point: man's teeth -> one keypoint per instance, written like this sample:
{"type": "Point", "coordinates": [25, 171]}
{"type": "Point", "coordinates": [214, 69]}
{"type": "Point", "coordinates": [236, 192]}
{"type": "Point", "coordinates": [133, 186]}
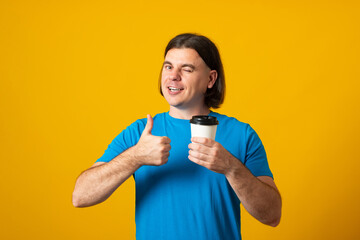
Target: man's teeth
{"type": "Point", "coordinates": [174, 89]}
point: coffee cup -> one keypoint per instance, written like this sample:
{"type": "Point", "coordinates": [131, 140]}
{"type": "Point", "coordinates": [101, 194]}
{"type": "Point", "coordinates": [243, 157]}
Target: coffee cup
{"type": "Point", "coordinates": [203, 126]}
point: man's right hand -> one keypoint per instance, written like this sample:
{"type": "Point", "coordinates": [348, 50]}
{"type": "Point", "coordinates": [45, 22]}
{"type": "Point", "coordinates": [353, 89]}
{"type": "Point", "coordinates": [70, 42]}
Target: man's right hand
{"type": "Point", "coordinates": [96, 184]}
{"type": "Point", "coordinates": [152, 150]}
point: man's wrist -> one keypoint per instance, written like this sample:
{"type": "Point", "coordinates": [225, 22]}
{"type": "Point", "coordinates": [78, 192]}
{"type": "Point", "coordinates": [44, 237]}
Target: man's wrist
{"type": "Point", "coordinates": [235, 169]}
{"type": "Point", "coordinates": [130, 158]}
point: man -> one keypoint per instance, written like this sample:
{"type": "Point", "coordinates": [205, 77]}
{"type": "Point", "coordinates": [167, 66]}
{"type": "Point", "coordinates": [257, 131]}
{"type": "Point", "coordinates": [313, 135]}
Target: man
{"type": "Point", "coordinates": [187, 188]}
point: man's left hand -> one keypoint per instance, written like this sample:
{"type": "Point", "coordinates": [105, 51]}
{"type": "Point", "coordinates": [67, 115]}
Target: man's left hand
{"type": "Point", "coordinates": [211, 154]}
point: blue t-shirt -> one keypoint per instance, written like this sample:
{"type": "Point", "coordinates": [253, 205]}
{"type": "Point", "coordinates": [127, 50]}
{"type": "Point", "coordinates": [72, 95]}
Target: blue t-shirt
{"type": "Point", "coordinates": [183, 200]}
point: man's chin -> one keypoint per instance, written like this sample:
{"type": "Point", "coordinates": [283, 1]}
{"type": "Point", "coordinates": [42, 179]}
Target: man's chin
{"type": "Point", "coordinates": [176, 104]}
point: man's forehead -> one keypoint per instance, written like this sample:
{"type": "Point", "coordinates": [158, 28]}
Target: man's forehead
{"type": "Point", "coordinates": [182, 56]}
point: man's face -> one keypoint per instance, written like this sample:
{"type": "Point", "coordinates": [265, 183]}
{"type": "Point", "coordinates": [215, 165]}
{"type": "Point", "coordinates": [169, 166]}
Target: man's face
{"type": "Point", "coordinates": [185, 78]}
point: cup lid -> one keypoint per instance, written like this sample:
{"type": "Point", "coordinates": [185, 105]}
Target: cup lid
{"type": "Point", "coordinates": [204, 120]}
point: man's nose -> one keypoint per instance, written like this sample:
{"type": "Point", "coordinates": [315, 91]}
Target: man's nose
{"type": "Point", "coordinates": [174, 75]}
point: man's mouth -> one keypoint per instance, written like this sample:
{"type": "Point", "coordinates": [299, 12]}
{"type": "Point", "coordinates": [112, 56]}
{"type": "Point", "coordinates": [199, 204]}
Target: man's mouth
{"type": "Point", "coordinates": [173, 89]}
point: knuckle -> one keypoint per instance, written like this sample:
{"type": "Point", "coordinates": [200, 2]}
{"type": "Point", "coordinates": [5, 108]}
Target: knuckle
{"type": "Point", "coordinates": [211, 165]}
{"type": "Point", "coordinates": [193, 159]}
{"type": "Point", "coordinates": [160, 161]}
{"type": "Point", "coordinates": [164, 160]}
{"type": "Point", "coordinates": [216, 153]}
{"type": "Point", "coordinates": [192, 153]}
{"type": "Point", "coordinates": [165, 140]}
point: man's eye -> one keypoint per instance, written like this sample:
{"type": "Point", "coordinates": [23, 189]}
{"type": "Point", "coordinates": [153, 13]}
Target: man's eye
{"type": "Point", "coordinates": [188, 70]}
{"type": "Point", "coordinates": [168, 67]}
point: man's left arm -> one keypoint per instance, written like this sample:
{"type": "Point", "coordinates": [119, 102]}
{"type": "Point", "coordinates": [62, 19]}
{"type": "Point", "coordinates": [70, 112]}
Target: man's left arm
{"type": "Point", "coordinates": [259, 195]}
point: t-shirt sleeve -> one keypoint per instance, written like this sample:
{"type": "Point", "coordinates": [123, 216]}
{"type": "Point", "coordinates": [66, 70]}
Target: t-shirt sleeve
{"type": "Point", "coordinates": [126, 139]}
{"type": "Point", "coordinates": [255, 159]}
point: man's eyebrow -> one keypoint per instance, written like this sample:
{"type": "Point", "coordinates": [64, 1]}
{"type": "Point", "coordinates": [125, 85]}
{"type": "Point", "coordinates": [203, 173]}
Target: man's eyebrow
{"type": "Point", "coordinates": [184, 65]}
{"type": "Point", "coordinates": [188, 65]}
{"type": "Point", "coordinates": [167, 62]}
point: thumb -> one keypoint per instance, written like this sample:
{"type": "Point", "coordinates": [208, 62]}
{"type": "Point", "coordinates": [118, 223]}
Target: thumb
{"type": "Point", "coordinates": [149, 125]}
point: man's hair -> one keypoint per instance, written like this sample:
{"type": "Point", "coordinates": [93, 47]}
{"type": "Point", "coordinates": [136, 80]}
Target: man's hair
{"type": "Point", "coordinates": [209, 53]}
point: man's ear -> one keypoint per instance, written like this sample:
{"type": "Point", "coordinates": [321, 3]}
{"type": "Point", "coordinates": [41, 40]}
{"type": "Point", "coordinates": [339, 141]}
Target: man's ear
{"type": "Point", "coordinates": [212, 78]}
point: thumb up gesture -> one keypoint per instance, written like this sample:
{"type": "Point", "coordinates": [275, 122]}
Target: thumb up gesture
{"type": "Point", "coordinates": [152, 150]}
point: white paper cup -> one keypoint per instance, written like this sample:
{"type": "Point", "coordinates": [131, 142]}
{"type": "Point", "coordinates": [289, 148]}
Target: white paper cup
{"type": "Point", "coordinates": [203, 126]}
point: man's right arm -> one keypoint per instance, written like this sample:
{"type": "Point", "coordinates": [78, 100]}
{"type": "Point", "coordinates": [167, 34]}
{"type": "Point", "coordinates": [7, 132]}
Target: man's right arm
{"type": "Point", "coordinates": [97, 183]}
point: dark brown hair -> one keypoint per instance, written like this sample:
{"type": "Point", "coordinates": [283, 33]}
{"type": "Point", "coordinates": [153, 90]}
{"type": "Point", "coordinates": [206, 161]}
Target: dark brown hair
{"type": "Point", "coordinates": [207, 50]}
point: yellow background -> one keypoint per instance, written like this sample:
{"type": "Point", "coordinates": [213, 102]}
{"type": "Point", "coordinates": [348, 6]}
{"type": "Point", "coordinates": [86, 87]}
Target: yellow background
{"type": "Point", "coordinates": [73, 74]}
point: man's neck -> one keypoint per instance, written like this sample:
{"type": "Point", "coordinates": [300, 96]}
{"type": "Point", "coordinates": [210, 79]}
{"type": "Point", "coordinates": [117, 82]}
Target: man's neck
{"type": "Point", "coordinates": [188, 113]}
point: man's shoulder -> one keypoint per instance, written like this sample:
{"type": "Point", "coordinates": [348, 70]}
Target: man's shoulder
{"type": "Point", "coordinates": [160, 115]}
{"type": "Point", "coordinates": [141, 122]}
{"type": "Point", "coordinates": [229, 121]}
